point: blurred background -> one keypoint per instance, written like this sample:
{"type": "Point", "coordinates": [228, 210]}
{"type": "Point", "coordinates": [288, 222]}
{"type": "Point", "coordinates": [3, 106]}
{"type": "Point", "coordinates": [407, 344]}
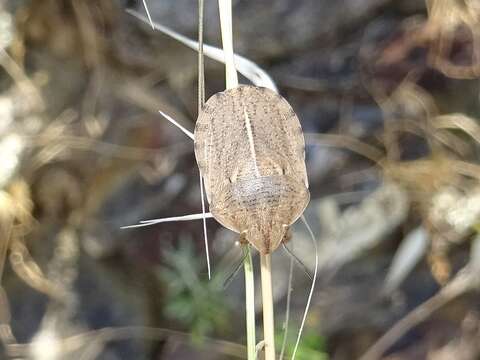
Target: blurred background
{"type": "Point", "coordinates": [388, 96]}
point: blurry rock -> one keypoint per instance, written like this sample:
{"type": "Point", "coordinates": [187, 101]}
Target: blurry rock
{"type": "Point", "coordinates": [359, 228]}
{"type": "Point", "coordinates": [411, 6]}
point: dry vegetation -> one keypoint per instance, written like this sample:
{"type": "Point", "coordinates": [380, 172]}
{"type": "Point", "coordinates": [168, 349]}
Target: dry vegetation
{"type": "Point", "coordinates": [390, 107]}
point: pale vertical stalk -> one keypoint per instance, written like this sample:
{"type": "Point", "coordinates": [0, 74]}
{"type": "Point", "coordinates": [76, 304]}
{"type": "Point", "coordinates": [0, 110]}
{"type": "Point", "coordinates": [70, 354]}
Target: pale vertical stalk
{"type": "Point", "coordinates": [267, 301]}
{"type": "Point", "coordinates": [201, 103]}
{"type": "Point", "coordinates": [249, 302]}
{"type": "Point", "coordinates": [201, 66]}
{"type": "Point", "coordinates": [225, 8]}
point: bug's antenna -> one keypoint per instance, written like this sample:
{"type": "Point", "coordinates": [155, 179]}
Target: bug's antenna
{"type": "Point", "coordinates": [236, 269]}
{"type": "Point", "coordinates": [299, 262]}
{"type": "Point", "coordinates": [148, 14]}
{"type": "Point", "coordinates": [314, 241]}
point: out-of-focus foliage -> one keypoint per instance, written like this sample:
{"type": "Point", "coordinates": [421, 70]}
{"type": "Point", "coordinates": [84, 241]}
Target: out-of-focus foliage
{"type": "Point", "coordinates": [312, 347]}
{"type": "Point", "coordinates": [194, 301]}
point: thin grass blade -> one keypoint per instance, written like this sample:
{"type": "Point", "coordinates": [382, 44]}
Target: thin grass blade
{"type": "Point", "coordinates": [246, 67]}
{"type": "Point", "coordinates": [190, 217]}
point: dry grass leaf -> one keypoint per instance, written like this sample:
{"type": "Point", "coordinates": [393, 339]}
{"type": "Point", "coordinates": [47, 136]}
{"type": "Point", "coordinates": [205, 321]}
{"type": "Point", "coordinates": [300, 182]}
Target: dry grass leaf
{"type": "Point", "coordinates": [70, 28]}
{"type": "Point", "coordinates": [446, 20]}
{"type": "Point", "coordinates": [246, 67]}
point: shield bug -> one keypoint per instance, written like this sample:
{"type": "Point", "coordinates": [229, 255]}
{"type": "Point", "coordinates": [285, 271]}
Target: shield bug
{"type": "Point", "coordinates": [250, 151]}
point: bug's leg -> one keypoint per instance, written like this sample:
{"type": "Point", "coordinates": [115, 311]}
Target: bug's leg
{"type": "Point", "coordinates": [287, 237]}
{"type": "Point", "coordinates": [190, 217]}
{"type": "Point", "coordinates": [242, 238]}
{"type": "Point", "coordinates": [236, 269]}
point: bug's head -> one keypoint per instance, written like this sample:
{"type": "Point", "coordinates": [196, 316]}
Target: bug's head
{"type": "Point", "coordinates": [265, 235]}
